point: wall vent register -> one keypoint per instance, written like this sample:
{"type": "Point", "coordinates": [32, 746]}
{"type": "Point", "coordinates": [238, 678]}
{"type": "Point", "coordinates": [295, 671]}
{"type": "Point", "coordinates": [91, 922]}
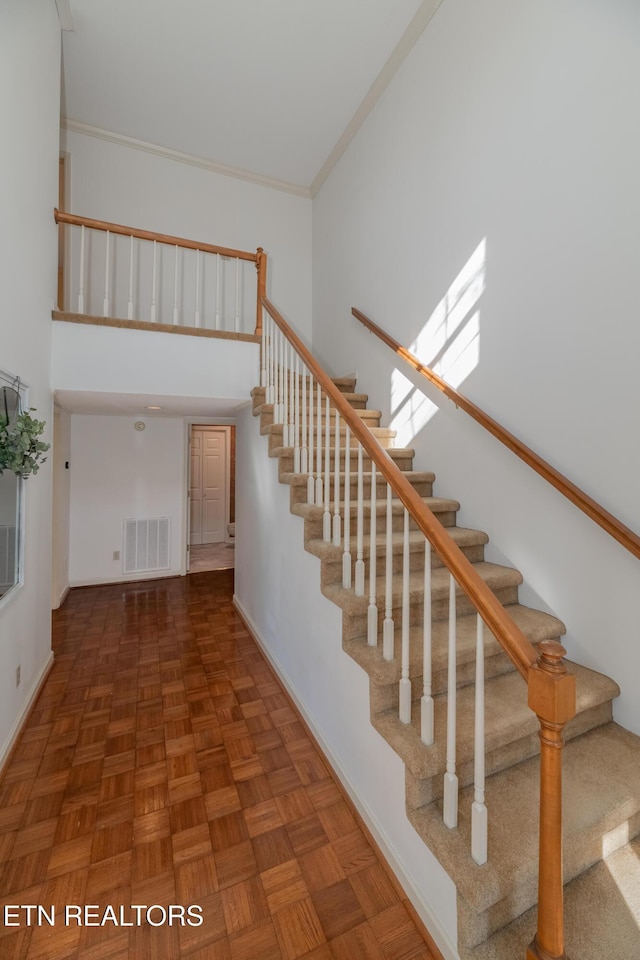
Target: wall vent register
{"type": "Point", "coordinates": [146, 544]}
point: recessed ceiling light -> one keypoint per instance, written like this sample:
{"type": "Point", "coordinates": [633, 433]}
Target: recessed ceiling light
{"type": "Point", "coordinates": [153, 408]}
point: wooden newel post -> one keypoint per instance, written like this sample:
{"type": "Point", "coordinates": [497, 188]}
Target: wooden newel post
{"type": "Point", "coordinates": [552, 697]}
{"type": "Point", "coordinates": [261, 267]}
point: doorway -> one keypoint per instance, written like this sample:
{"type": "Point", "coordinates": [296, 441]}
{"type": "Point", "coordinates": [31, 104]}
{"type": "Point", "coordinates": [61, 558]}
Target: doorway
{"type": "Point", "coordinates": [211, 497]}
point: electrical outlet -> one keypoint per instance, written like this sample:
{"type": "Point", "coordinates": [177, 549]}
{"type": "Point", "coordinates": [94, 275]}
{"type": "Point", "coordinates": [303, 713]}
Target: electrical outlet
{"type": "Point", "coordinates": [116, 554]}
{"type": "Point", "coordinates": [18, 675]}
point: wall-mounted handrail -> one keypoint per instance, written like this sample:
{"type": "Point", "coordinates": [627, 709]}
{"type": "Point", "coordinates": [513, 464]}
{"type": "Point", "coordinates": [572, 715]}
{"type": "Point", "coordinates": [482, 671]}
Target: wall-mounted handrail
{"type": "Point", "coordinates": [618, 530]}
{"type": "Point", "coordinates": [551, 689]}
{"type": "Point", "coordinates": [259, 257]}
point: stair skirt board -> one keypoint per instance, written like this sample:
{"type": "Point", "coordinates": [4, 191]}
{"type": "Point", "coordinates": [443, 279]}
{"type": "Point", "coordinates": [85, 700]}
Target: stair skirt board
{"type": "Point", "coordinates": [601, 802]}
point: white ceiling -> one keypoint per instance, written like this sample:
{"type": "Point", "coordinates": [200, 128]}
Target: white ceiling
{"type": "Point", "coordinates": [264, 86]}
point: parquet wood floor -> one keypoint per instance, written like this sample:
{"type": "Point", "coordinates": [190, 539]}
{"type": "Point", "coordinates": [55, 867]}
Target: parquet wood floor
{"type": "Point", "coordinates": [163, 766]}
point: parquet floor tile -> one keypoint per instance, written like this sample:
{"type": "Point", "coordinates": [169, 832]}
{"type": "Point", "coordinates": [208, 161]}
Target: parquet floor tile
{"type": "Point", "coordinates": [163, 766]}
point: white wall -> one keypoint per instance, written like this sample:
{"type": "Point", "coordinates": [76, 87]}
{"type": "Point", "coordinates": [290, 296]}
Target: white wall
{"type": "Point", "coordinates": [277, 589]}
{"type": "Point", "coordinates": [29, 119]}
{"type": "Point", "coordinates": [120, 473]}
{"type": "Point", "coordinates": [110, 181]}
{"type": "Point", "coordinates": [114, 360]}
{"type": "Point", "coordinates": [516, 124]}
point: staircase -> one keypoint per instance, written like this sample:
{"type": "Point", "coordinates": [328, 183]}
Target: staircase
{"type": "Point", "coordinates": [496, 902]}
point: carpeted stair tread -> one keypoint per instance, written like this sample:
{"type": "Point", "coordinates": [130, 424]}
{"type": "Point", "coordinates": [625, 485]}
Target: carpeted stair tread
{"type": "Point", "coordinates": [535, 624]}
{"type": "Point", "coordinates": [495, 575]}
{"type": "Point", "coordinates": [601, 807]}
{"type": "Point", "coordinates": [508, 720]}
{"type": "Point", "coordinates": [463, 536]}
{"type": "Point", "coordinates": [312, 512]}
{"type": "Point", "coordinates": [602, 911]}
{"type": "Point", "coordinates": [413, 476]}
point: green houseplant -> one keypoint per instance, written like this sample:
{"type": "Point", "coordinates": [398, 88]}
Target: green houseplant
{"type": "Point", "coordinates": [20, 449]}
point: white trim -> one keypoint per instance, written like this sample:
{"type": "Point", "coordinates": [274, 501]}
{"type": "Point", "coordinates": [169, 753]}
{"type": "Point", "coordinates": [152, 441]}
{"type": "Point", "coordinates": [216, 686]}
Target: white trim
{"type": "Point", "coordinates": [88, 130]}
{"type": "Point", "coordinates": [19, 722]}
{"type": "Point", "coordinates": [61, 599]}
{"type": "Point", "coordinates": [126, 578]}
{"type": "Point", "coordinates": [398, 55]}
{"type": "Point", "coordinates": [64, 14]}
{"type": "Point", "coordinates": [430, 920]}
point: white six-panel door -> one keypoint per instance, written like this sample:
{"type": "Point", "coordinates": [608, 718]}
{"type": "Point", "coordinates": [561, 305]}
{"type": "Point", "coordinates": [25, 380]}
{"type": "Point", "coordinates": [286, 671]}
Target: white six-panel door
{"type": "Point", "coordinates": [208, 484]}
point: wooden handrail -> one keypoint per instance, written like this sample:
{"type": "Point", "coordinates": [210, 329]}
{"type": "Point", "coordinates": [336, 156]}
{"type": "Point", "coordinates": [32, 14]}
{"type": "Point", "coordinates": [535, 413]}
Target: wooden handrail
{"type": "Point", "coordinates": [623, 534]}
{"type": "Point", "coordinates": [521, 652]}
{"type": "Point", "coordinates": [77, 221]}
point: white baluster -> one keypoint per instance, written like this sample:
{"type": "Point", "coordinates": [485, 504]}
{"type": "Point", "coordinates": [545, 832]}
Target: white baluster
{"type": "Point", "coordinates": [175, 287]}
{"type": "Point", "coordinates": [272, 354]}
{"type": "Point", "coordinates": [81, 277]}
{"type": "Point", "coordinates": [196, 311]}
{"type": "Point", "coordinates": [326, 516]}
{"type": "Point", "coordinates": [336, 485]}
{"type": "Point", "coordinates": [405, 682]}
{"type": "Point", "coordinates": [154, 271]}
{"type": "Point", "coordinates": [311, 486]}
{"type": "Point", "coordinates": [297, 459]}
{"type": "Point", "coordinates": [105, 302]}
{"type": "Point", "coordinates": [346, 556]}
{"type": "Point", "coordinates": [479, 825]}
{"type": "Point", "coordinates": [130, 300]}
{"type": "Point", "coordinates": [268, 328]}
{"type": "Point", "coordinates": [426, 704]}
{"type": "Point", "coordinates": [304, 454]}
{"type": "Point", "coordinates": [217, 317]}
{"type": "Point", "coordinates": [285, 392]}
{"type": "Point", "coordinates": [387, 624]}
{"type": "Point", "coordinates": [278, 408]}
{"type": "Point", "coordinates": [372, 610]}
{"type": "Point", "coordinates": [319, 496]}
{"type": "Point", "coordinates": [359, 585]}
{"type": "Point", "coordinates": [236, 320]}
{"type": "Point", "coordinates": [450, 808]}
{"type": "Point", "coordinates": [264, 360]}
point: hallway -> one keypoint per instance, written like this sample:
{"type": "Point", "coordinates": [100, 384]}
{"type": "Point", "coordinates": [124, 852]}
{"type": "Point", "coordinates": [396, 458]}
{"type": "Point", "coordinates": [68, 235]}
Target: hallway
{"type": "Point", "coordinates": [164, 766]}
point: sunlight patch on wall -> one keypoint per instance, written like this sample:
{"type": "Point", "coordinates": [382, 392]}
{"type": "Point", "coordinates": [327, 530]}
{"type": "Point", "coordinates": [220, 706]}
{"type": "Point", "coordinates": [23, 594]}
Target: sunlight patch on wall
{"type": "Point", "coordinates": [449, 343]}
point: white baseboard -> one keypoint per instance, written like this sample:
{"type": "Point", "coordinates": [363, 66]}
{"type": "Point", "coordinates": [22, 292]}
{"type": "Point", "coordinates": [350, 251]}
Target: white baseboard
{"type": "Point", "coordinates": [127, 578]}
{"type": "Point", "coordinates": [20, 720]}
{"type": "Point", "coordinates": [430, 920]}
{"type": "Point", "coordinates": [61, 599]}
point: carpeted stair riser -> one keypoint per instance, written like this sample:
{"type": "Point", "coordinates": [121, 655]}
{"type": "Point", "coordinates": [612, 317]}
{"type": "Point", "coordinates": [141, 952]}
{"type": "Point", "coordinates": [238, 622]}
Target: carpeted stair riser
{"type": "Point", "coordinates": [383, 435]}
{"type": "Point", "coordinates": [401, 456]}
{"type": "Point", "coordinates": [420, 480]}
{"type": "Point", "coordinates": [471, 543]}
{"type": "Point", "coordinates": [384, 675]}
{"type": "Point", "coordinates": [443, 510]}
{"type": "Point", "coordinates": [371, 418]}
{"type": "Point", "coordinates": [503, 582]}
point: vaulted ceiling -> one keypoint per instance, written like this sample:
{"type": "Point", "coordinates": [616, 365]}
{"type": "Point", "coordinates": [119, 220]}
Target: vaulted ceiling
{"type": "Point", "coordinates": [271, 87]}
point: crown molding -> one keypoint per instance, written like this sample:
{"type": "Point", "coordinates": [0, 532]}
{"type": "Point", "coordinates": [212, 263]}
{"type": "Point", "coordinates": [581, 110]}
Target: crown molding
{"type": "Point", "coordinates": [64, 14]}
{"type": "Point", "coordinates": [88, 130]}
{"type": "Point", "coordinates": [398, 55]}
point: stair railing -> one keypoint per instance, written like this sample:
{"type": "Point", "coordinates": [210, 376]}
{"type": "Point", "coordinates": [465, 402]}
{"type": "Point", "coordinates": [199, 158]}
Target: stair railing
{"type": "Point", "coordinates": [623, 534]}
{"type": "Point", "coordinates": [137, 275]}
{"type": "Point", "coordinates": [296, 386]}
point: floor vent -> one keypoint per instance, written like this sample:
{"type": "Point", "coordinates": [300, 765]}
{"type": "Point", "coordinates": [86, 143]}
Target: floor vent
{"type": "Point", "coordinates": [146, 544]}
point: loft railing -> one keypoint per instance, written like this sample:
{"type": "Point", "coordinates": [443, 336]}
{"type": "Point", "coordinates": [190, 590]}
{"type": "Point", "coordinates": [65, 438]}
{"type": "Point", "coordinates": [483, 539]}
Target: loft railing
{"type": "Point", "coordinates": [315, 418]}
{"type": "Point", "coordinates": [132, 275]}
{"type": "Point", "coordinates": [623, 534]}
